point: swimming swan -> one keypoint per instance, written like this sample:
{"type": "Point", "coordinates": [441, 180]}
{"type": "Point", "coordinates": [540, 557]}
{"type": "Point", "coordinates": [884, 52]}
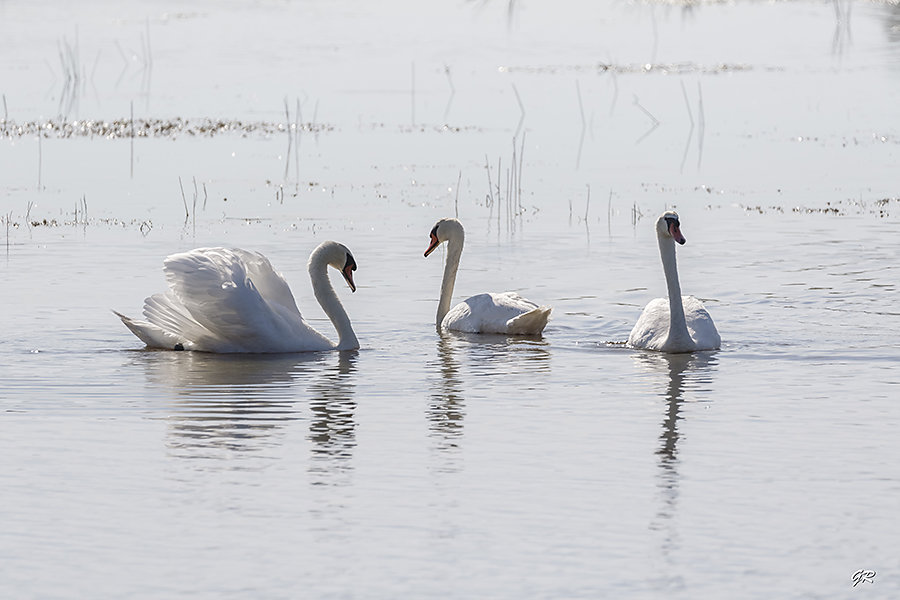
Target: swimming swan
{"type": "Point", "coordinates": [231, 300]}
{"type": "Point", "coordinates": [679, 323]}
{"type": "Point", "coordinates": [485, 313]}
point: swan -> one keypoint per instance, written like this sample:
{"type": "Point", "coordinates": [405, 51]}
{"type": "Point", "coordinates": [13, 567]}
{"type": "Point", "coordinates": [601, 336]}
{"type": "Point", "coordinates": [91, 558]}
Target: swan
{"type": "Point", "coordinates": [507, 313]}
{"type": "Point", "coordinates": [232, 300]}
{"type": "Point", "coordinates": [679, 323]}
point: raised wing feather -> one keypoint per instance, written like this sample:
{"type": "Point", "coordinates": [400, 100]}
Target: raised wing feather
{"type": "Point", "coordinates": [238, 301]}
{"type": "Point", "coordinates": [269, 282]}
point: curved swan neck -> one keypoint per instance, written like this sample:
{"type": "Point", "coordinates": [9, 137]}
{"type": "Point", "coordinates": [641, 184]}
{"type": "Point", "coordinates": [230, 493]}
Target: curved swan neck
{"type": "Point", "coordinates": [677, 325]}
{"type": "Point", "coordinates": [454, 252]}
{"type": "Point", "coordinates": [330, 303]}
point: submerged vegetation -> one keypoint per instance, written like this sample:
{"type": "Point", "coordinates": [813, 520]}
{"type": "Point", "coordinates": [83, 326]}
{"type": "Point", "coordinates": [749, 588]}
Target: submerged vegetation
{"type": "Point", "coordinates": [682, 68]}
{"type": "Point", "coordinates": [150, 128]}
{"type": "Point", "coordinates": [880, 208]}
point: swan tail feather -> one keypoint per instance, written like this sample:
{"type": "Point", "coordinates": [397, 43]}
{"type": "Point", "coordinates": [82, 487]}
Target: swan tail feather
{"type": "Point", "coordinates": [529, 323]}
{"type": "Point", "coordinates": [152, 335]}
{"type": "Point", "coordinates": [167, 313]}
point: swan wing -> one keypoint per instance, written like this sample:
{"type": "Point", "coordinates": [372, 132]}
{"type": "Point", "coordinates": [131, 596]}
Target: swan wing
{"type": "Point", "coordinates": [270, 283]}
{"type": "Point", "coordinates": [652, 328]}
{"type": "Point", "coordinates": [218, 306]}
{"type": "Point", "coordinates": [495, 313]}
{"type": "Point", "coordinates": [700, 325]}
{"type": "Point", "coordinates": [168, 325]}
{"type": "Point", "coordinates": [529, 323]}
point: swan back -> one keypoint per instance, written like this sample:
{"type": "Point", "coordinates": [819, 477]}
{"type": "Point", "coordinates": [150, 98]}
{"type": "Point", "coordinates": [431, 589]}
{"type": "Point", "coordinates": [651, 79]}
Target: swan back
{"type": "Point", "coordinates": [506, 312]}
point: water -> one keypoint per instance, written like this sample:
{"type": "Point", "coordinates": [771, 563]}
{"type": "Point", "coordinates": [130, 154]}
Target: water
{"type": "Point", "coordinates": [456, 466]}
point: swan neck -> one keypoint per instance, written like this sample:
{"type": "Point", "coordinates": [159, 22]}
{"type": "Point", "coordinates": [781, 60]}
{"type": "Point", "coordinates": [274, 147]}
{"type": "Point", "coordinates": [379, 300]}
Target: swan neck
{"type": "Point", "coordinates": [677, 324]}
{"type": "Point", "coordinates": [454, 252]}
{"type": "Point", "coordinates": [331, 304]}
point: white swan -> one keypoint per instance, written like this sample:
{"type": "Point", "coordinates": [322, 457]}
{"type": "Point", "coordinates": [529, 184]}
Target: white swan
{"type": "Point", "coordinates": [507, 313]}
{"type": "Point", "coordinates": [679, 323]}
{"type": "Point", "coordinates": [231, 300]}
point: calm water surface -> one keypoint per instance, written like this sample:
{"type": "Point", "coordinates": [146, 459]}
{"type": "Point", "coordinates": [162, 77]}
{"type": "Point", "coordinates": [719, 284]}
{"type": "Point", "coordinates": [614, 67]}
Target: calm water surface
{"type": "Point", "coordinates": [456, 466]}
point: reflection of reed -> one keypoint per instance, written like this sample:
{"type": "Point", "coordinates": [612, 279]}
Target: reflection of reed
{"type": "Point", "coordinates": [332, 428]}
{"type": "Point", "coordinates": [510, 9]}
{"type": "Point", "coordinates": [447, 406]}
{"type": "Point", "coordinates": [843, 34]}
{"type": "Point", "coordinates": [891, 23]}
{"type": "Point", "coordinates": [226, 402]}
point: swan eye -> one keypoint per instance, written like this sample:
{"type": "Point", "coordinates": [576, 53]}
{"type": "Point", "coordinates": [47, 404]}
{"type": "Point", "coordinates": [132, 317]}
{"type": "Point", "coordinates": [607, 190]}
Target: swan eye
{"type": "Point", "coordinates": [350, 263]}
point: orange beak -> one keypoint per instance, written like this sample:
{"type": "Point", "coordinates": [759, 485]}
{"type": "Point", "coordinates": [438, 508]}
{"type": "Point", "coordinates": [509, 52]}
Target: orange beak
{"type": "Point", "coordinates": [675, 232]}
{"type": "Point", "coordinates": [434, 244]}
{"type": "Point", "coordinates": [347, 272]}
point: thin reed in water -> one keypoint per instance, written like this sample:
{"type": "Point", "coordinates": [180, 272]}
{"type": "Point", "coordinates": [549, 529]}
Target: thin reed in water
{"type": "Point", "coordinates": [187, 214]}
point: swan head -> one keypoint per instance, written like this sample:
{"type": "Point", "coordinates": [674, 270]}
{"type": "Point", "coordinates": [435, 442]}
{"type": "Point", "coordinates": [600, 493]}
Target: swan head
{"type": "Point", "coordinates": [338, 256]}
{"type": "Point", "coordinates": [443, 231]}
{"type": "Point", "coordinates": [669, 226]}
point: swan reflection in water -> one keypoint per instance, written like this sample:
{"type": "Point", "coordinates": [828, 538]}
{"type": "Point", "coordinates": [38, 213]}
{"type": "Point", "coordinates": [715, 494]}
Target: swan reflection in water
{"type": "Point", "coordinates": [238, 403]}
{"type": "Point", "coordinates": [446, 407]}
{"type": "Point", "coordinates": [332, 426]}
{"type": "Point", "coordinates": [692, 373]}
{"type": "Point", "coordinates": [493, 355]}
{"type": "Point", "coordinates": [471, 357]}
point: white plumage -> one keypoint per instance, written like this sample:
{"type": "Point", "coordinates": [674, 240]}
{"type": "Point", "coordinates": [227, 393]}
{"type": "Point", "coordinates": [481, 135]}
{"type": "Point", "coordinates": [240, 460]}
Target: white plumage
{"type": "Point", "coordinates": [652, 329]}
{"type": "Point", "coordinates": [677, 323]}
{"type": "Point", "coordinates": [505, 313]}
{"type": "Point", "coordinates": [232, 300]}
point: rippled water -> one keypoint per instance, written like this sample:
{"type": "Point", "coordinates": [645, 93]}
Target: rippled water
{"type": "Point", "coordinates": [425, 465]}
